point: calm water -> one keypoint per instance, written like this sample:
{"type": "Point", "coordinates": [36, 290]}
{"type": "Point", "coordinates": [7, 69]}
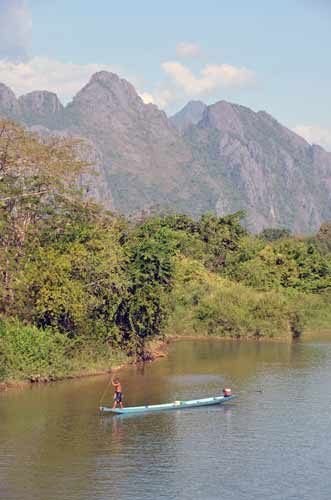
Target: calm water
{"type": "Point", "coordinates": [272, 445]}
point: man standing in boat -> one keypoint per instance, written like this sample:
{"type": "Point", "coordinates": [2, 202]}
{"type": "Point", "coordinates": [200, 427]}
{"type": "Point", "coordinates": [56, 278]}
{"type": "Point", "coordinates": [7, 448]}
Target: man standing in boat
{"type": "Point", "coordinates": [118, 397]}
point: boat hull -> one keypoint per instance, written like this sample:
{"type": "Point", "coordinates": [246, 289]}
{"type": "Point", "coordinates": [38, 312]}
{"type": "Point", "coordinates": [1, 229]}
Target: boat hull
{"type": "Point", "coordinates": [177, 405]}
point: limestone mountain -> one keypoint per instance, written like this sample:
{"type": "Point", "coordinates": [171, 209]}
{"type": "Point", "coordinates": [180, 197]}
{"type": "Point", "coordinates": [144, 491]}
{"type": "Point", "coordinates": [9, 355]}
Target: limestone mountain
{"type": "Point", "coordinates": [9, 107]}
{"type": "Point", "coordinates": [191, 114]}
{"type": "Point", "coordinates": [144, 155]}
{"type": "Point", "coordinates": [220, 158]}
{"type": "Point", "coordinates": [40, 108]}
{"type": "Point", "coordinates": [262, 167]}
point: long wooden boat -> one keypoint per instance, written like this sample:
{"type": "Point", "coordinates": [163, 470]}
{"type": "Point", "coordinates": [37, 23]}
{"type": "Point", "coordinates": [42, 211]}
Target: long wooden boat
{"type": "Point", "coordinates": [176, 405]}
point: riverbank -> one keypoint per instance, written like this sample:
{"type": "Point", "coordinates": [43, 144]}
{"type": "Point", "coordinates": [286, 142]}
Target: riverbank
{"type": "Point", "coordinates": [155, 349]}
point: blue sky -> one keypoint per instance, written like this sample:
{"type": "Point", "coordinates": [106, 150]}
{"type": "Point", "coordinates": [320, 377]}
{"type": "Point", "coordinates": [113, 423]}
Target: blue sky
{"type": "Point", "coordinates": [265, 55]}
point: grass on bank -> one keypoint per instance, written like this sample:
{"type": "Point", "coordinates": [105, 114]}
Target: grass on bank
{"type": "Point", "coordinates": [203, 303]}
{"type": "Point", "coordinates": [317, 311]}
{"type": "Point", "coordinates": [29, 353]}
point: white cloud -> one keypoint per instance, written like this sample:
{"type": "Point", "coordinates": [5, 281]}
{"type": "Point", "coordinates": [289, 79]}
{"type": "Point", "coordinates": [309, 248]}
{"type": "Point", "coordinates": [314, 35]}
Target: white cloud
{"type": "Point", "coordinates": [212, 76]}
{"type": "Point", "coordinates": [147, 98]}
{"type": "Point", "coordinates": [41, 73]}
{"type": "Point", "coordinates": [15, 29]}
{"type": "Point", "coordinates": [184, 84]}
{"type": "Point", "coordinates": [185, 49]}
{"type": "Point", "coordinates": [161, 96]}
{"type": "Point", "coordinates": [315, 135]}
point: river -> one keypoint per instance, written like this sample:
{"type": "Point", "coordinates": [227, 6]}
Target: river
{"type": "Point", "coordinates": [273, 442]}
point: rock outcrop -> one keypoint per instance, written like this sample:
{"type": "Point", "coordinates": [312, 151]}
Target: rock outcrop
{"type": "Point", "coordinates": [41, 108]}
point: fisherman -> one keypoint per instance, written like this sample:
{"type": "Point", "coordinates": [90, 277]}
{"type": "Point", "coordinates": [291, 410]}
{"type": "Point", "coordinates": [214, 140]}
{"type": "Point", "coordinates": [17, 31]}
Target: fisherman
{"type": "Point", "coordinates": [118, 393]}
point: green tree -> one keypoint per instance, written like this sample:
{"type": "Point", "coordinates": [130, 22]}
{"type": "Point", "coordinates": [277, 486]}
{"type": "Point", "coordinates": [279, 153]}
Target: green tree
{"type": "Point", "coordinates": [37, 180]}
{"type": "Point", "coordinates": [287, 263]}
{"type": "Point", "coordinates": [75, 283]}
{"type": "Point", "coordinates": [221, 236]}
{"type": "Point", "coordinates": [143, 312]}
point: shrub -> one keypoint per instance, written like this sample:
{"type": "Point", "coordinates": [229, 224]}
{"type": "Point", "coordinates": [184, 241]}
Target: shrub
{"type": "Point", "coordinates": [29, 352]}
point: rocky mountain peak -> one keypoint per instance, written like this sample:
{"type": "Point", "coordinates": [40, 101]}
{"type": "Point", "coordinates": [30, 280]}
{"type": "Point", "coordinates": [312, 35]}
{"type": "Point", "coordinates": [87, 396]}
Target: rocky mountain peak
{"type": "Point", "coordinates": [108, 90]}
{"type": "Point", "coordinates": [191, 114]}
{"type": "Point", "coordinates": [107, 78]}
{"type": "Point", "coordinates": [223, 116]}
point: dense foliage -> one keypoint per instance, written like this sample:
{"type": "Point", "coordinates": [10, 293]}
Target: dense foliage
{"type": "Point", "coordinates": [77, 282]}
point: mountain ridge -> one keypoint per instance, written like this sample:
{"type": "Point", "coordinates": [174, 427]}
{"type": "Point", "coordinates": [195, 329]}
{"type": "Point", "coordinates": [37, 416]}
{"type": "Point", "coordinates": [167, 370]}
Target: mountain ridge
{"type": "Point", "coordinates": [222, 157]}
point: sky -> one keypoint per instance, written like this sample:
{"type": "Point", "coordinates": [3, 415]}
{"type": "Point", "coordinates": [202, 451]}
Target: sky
{"type": "Point", "coordinates": [272, 56]}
